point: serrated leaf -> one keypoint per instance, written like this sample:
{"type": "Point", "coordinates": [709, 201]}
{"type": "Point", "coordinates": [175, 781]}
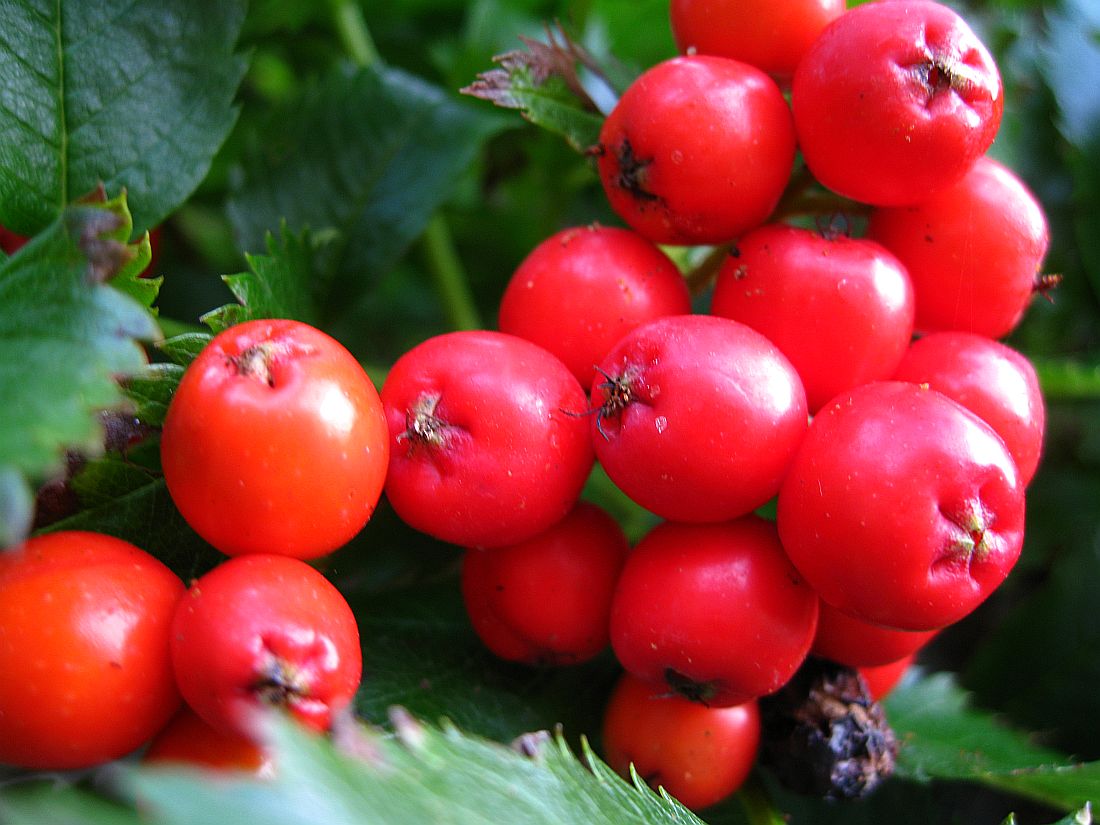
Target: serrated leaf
{"type": "Point", "coordinates": [943, 737]}
{"type": "Point", "coordinates": [544, 84]}
{"type": "Point", "coordinates": [64, 338]}
{"type": "Point", "coordinates": [280, 284]}
{"type": "Point", "coordinates": [423, 774]}
{"type": "Point", "coordinates": [135, 506]}
{"type": "Point", "coordinates": [134, 93]}
{"type": "Point", "coordinates": [369, 154]}
{"type": "Point", "coordinates": [151, 391]}
{"type": "Point", "coordinates": [183, 349]}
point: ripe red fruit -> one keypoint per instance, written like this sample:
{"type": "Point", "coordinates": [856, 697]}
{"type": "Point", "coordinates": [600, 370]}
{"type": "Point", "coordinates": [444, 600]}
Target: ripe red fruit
{"type": "Point", "coordinates": [698, 417]}
{"type": "Point", "coordinates": [972, 251]}
{"type": "Point", "coordinates": [714, 612]}
{"type": "Point", "coordinates": [993, 381]}
{"type": "Point", "coordinates": [895, 101]}
{"type": "Point", "coordinates": [484, 450]}
{"type": "Point", "coordinates": [882, 679]}
{"type": "Point", "coordinates": [841, 309]}
{"type": "Point", "coordinates": [771, 35]}
{"type": "Point", "coordinates": [700, 755]}
{"type": "Point", "coordinates": [697, 150]}
{"type": "Point", "coordinates": [547, 600]}
{"type": "Point", "coordinates": [84, 624]}
{"type": "Point", "coordinates": [189, 740]}
{"type": "Point", "coordinates": [849, 641]}
{"type": "Point", "coordinates": [583, 289]}
{"type": "Point", "coordinates": [265, 631]}
{"type": "Point", "coordinates": [275, 442]}
{"type": "Point", "coordinates": [901, 507]}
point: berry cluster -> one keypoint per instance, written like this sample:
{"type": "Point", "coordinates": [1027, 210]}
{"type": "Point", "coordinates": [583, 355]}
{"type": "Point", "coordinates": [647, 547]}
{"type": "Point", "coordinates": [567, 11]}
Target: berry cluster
{"type": "Point", "coordinates": [853, 380]}
{"type": "Point", "coordinates": [274, 449]}
{"type": "Point", "coordinates": [900, 507]}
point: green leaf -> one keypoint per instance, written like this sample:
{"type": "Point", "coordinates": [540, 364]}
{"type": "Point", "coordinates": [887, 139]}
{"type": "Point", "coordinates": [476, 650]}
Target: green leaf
{"type": "Point", "coordinates": [543, 83]}
{"type": "Point", "coordinates": [43, 804]}
{"type": "Point", "coordinates": [369, 154]}
{"type": "Point", "coordinates": [64, 338]}
{"type": "Point", "coordinates": [422, 774]}
{"type": "Point", "coordinates": [281, 284]}
{"type": "Point", "coordinates": [943, 737]}
{"type": "Point", "coordinates": [134, 93]}
{"type": "Point", "coordinates": [151, 391]}
{"type": "Point", "coordinates": [133, 504]}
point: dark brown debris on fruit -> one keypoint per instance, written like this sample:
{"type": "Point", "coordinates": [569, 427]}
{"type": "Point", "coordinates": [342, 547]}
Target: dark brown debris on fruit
{"type": "Point", "coordinates": [823, 734]}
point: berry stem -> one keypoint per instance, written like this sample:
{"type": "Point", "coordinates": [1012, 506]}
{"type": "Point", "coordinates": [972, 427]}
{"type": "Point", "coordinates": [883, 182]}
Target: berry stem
{"type": "Point", "coordinates": [449, 276]}
{"type": "Point", "coordinates": [757, 805]}
{"type": "Point", "coordinates": [347, 17]}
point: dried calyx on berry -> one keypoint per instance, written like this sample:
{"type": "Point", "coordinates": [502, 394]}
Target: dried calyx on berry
{"type": "Point", "coordinates": [825, 736]}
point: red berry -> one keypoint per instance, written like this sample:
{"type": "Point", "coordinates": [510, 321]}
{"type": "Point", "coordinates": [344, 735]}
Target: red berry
{"type": "Point", "coordinates": [841, 309]}
{"type": "Point", "coordinates": [484, 450]}
{"type": "Point", "coordinates": [698, 417]}
{"type": "Point", "coordinates": [697, 150]}
{"type": "Point", "coordinates": [901, 507]}
{"type": "Point", "coordinates": [993, 381]}
{"type": "Point", "coordinates": [972, 251]}
{"type": "Point", "coordinates": [583, 289]}
{"type": "Point", "coordinates": [547, 600]}
{"type": "Point", "coordinates": [84, 621]}
{"type": "Point", "coordinates": [189, 740]}
{"type": "Point", "coordinates": [275, 442]}
{"type": "Point", "coordinates": [881, 679]}
{"type": "Point", "coordinates": [771, 35]}
{"type": "Point", "coordinates": [700, 755]}
{"type": "Point", "coordinates": [714, 612]}
{"type": "Point", "coordinates": [895, 101]}
{"type": "Point", "coordinates": [850, 641]}
{"type": "Point", "coordinates": [265, 631]}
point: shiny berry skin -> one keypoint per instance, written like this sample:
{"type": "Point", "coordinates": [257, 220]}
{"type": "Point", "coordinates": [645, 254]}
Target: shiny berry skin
{"type": "Point", "coordinates": [895, 101]}
{"type": "Point", "coordinates": [771, 35]}
{"type": "Point", "coordinates": [275, 442]}
{"type": "Point", "coordinates": [901, 507]}
{"type": "Point", "coordinates": [697, 150]}
{"type": "Point", "coordinates": [713, 612]}
{"type": "Point", "coordinates": [700, 755]}
{"type": "Point", "coordinates": [696, 417]}
{"type": "Point", "coordinates": [849, 641]}
{"type": "Point", "coordinates": [547, 600]}
{"type": "Point", "coordinates": [584, 288]}
{"type": "Point", "coordinates": [486, 448]}
{"type": "Point", "coordinates": [993, 381]}
{"type": "Point", "coordinates": [839, 308]}
{"type": "Point", "coordinates": [265, 631]}
{"type": "Point", "coordinates": [84, 622]}
{"type": "Point", "coordinates": [973, 251]}
{"type": "Point", "coordinates": [189, 740]}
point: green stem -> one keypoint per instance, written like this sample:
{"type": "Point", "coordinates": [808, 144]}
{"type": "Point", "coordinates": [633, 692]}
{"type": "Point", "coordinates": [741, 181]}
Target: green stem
{"type": "Point", "coordinates": [757, 805]}
{"type": "Point", "coordinates": [701, 275]}
{"type": "Point", "coordinates": [1068, 380]}
{"type": "Point", "coordinates": [347, 15]}
{"type": "Point", "coordinates": [449, 275]}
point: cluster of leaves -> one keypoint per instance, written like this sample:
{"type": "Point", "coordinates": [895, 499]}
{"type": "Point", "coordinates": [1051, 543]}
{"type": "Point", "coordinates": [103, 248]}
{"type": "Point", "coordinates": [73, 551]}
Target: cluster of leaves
{"type": "Point", "coordinates": [364, 195]}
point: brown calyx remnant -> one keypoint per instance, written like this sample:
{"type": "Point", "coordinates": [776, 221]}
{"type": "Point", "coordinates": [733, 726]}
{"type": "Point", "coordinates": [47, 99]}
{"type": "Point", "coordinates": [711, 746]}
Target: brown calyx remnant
{"type": "Point", "coordinates": [279, 684]}
{"type": "Point", "coordinates": [696, 691]}
{"type": "Point", "coordinates": [940, 74]}
{"type": "Point", "coordinates": [422, 425]}
{"type": "Point", "coordinates": [256, 362]}
{"type": "Point", "coordinates": [632, 175]}
{"type": "Point", "coordinates": [825, 736]}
